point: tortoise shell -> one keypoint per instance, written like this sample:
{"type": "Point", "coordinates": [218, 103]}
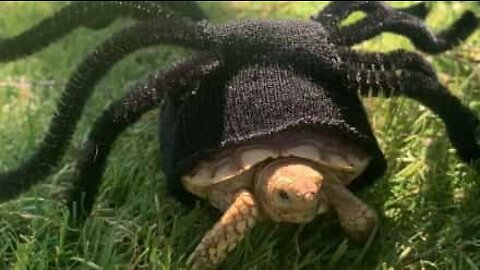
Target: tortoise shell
{"type": "Point", "coordinates": [237, 164]}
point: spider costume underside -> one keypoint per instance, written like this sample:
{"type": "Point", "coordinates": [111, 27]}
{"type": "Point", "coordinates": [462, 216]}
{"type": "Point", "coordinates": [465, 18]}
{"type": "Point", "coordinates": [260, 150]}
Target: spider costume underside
{"type": "Point", "coordinates": [248, 80]}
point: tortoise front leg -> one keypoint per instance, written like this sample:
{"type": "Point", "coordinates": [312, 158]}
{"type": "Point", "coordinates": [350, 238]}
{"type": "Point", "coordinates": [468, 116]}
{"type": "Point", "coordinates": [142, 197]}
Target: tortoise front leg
{"type": "Point", "coordinates": [237, 220]}
{"type": "Point", "coordinates": [357, 219]}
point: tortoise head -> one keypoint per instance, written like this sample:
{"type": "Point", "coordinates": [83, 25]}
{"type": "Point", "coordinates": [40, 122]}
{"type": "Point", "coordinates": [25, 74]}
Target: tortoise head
{"type": "Point", "coordinates": [288, 190]}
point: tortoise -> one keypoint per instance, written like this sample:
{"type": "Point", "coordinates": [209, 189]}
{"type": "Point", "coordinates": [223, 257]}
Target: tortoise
{"type": "Point", "coordinates": [263, 141]}
{"type": "Point", "coordinates": [288, 177]}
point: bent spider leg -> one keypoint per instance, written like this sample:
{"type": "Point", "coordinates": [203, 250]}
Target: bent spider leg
{"type": "Point", "coordinates": [78, 90]}
{"type": "Point", "coordinates": [412, 77]}
{"type": "Point", "coordinates": [94, 15]}
{"type": "Point", "coordinates": [460, 122]}
{"type": "Point", "coordinates": [118, 117]}
{"type": "Point", "coordinates": [336, 11]}
{"type": "Point", "coordinates": [390, 20]}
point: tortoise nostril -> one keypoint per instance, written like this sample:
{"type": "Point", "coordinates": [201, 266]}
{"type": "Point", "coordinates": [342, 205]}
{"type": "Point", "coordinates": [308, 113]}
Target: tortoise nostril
{"type": "Point", "coordinates": [310, 195]}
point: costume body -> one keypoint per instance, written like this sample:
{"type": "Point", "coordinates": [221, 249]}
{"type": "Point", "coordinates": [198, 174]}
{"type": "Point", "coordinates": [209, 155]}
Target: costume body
{"type": "Point", "coordinates": [236, 105]}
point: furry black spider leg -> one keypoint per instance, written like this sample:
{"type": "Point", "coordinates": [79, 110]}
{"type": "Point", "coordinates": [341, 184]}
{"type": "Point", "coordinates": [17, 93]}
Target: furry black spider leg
{"type": "Point", "coordinates": [337, 11]}
{"type": "Point", "coordinates": [407, 74]}
{"type": "Point", "coordinates": [374, 73]}
{"type": "Point", "coordinates": [461, 123]}
{"type": "Point", "coordinates": [390, 20]}
{"type": "Point", "coordinates": [79, 89]}
{"type": "Point", "coordinates": [118, 117]}
{"type": "Point", "coordinates": [94, 15]}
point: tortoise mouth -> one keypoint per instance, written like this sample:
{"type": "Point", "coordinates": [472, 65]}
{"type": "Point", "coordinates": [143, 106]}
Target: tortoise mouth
{"type": "Point", "coordinates": [289, 189]}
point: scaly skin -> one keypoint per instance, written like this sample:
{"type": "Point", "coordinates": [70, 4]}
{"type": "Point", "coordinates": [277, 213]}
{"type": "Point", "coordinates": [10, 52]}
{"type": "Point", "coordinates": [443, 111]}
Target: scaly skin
{"type": "Point", "coordinates": [237, 220]}
{"type": "Point", "coordinates": [357, 219]}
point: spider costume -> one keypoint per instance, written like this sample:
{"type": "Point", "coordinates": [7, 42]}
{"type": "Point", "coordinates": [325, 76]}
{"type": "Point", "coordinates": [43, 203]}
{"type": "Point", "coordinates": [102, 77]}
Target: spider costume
{"type": "Point", "coordinates": [248, 80]}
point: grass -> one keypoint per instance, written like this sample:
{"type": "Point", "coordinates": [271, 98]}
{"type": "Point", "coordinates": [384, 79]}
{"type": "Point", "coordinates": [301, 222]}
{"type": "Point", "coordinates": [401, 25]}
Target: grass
{"type": "Point", "coordinates": [427, 200]}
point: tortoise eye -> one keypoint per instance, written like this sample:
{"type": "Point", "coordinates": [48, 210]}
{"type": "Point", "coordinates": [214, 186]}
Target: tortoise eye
{"type": "Point", "coordinates": [283, 196]}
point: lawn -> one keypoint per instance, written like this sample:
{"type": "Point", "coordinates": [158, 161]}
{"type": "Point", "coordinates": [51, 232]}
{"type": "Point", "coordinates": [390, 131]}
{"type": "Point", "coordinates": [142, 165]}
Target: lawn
{"type": "Point", "coordinates": [427, 200]}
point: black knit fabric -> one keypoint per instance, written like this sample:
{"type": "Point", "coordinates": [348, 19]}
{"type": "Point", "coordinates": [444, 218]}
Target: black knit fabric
{"type": "Point", "coordinates": [233, 106]}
